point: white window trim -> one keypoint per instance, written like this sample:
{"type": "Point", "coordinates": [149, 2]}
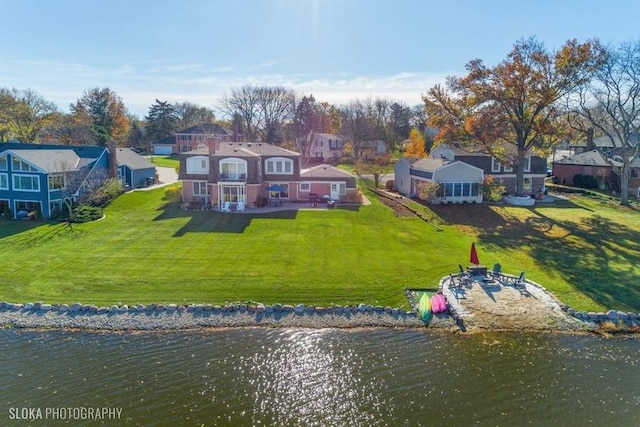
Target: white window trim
{"type": "Point", "coordinates": [6, 162]}
{"type": "Point", "coordinates": [19, 175]}
{"type": "Point", "coordinates": [29, 166]}
{"type": "Point", "coordinates": [194, 165]}
{"type": "Point", "coordinates": [237, 162]}
{"type": "Point", "coordinates": [495, 165]}
{"type": "Point", "coordinates": [271, 166]}
{"type": "Point", "coordinates": [6, 177]}
{"type": "Point", "coordinates": [64, 181]}
{"type": "Point", "coordinates": [527, 164]}
{"type": "Point", "coordinates": [307, 184]}
{"type": "Point", "coordinates": [193, 188]}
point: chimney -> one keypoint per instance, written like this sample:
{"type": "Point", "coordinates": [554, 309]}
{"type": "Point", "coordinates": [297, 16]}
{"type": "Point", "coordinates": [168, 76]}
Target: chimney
{"type": "Point", "coordinates": [590, 144]}
{"type": "Point", "coordinates": [113, 161]}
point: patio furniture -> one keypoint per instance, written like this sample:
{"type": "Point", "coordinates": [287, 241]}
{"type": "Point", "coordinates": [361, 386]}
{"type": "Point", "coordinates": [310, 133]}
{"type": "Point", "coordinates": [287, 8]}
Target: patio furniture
{"type": "Point", "coordinates": [496, 273]}
{"type": "Point", "coordinates": [226, 207]}
{"type": "Point", "coordinates": [240, 207]}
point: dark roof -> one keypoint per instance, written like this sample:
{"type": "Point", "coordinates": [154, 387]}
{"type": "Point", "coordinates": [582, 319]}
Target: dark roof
{"type": "Point", "coordinates": [206, 128]}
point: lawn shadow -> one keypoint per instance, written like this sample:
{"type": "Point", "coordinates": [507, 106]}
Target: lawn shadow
{"type": "Point", "coordinates": [209, 221]}
{"type": "Point", "coordinates": [349, 207]}
{"type": "Point", "coordinates": [588, 253]}
{"type": "Point", "coordinates": [13, 227]}
{"type": "Point", "coordinates": [596, 255]}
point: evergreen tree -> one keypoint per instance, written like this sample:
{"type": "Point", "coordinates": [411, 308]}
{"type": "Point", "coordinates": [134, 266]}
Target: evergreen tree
{"type": "Point", "coordinates": [162, 120]}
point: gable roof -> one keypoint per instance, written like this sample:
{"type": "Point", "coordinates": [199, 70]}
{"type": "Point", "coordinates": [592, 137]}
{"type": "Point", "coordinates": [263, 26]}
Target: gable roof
{"type": "Point", "coordinates": [588, 158]}
{"type": "Point", "coordinates": [429, 164]}
{"type": "Point", "coordinates": [129, 158]}
{"type": "Point", "coordinates": [50, 161]}
{"type": "Point", "coordinates": [325, 171]}
{"type": "Point", "coordinates": [54, 158]}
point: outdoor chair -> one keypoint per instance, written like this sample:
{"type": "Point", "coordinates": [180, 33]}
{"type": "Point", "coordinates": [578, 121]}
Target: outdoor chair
{"type": "Point", "coordinates": [463, 273]}
{"type": "Point", "coordinates": [496, 273]}
{"type": "Point", "coordinates": [240, 207]}
{"type": "Point", "coordinates": [226, 207]}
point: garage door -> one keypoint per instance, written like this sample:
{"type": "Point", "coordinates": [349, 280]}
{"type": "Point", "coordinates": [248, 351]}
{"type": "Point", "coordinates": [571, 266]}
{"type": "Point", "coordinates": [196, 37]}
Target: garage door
{"type": "Point", "coordinates": [163, 150]}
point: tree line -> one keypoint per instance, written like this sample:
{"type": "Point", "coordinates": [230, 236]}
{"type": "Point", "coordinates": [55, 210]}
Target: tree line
{"type": "Point", "coordinates": [272, 114]}
{"type": "Point", "coordinates": [529, 103]}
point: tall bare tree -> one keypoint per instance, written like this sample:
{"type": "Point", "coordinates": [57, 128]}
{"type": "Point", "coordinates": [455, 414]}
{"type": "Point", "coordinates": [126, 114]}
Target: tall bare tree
{"type": "Point", "coordinates": [510, 109]}
{"type": "Point", "coordinates": [189, 114]}
{"type": "Point", "coordinates": [263, 110]}
{"type": "Point", "coordinates": [611, 105]}
{"type": "Point", "coordinates": [356, 124]}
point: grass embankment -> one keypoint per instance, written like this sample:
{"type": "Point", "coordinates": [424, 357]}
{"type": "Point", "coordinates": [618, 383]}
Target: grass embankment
{"type": "Point", "coordinates": [584, 252]}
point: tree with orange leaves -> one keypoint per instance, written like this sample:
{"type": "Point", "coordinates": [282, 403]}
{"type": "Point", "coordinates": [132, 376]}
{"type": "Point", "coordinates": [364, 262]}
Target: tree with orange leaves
{"type": "Point", "coordinates": [416, 147]}
{"type": "Point", "coordinates": [512, 109]}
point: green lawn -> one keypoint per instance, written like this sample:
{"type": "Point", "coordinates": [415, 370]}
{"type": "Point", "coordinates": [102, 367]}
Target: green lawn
{"type": "Point", "coordinates": [585, 252]}
{"type": "Point", "coordinates": [165, 161]}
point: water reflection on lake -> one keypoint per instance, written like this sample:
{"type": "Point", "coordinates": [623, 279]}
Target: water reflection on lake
{"type": "Point", "coordinates": [368, 377]}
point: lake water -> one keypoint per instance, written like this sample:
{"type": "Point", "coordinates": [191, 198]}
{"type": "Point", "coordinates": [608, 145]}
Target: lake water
{"type": "Point", "coordinates": [329, 377]}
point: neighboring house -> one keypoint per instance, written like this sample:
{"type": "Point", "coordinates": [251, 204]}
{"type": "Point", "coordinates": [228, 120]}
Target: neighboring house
{"type": "Point", "coordinates": [243, 172]}
{"type": "Point", "coordinates": [38, 178]}
{"type": "Point", "coordinates": [372, 149]}
{"type": "Point", "coordinates": [206, 135]}
{"type": "Point", "coordinates": [134, 170]}
{"type": "Point", "coordinates": [535, 168]}
{"type": "Point", "coordinates": [459, 182]}
{"type": "Point", "coordinates": [325, 180]}
{"type": "Point", "coordinates": [326, 147]}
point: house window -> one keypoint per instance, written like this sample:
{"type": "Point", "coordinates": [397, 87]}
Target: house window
{"type": "Point", "coordinates": [3, 163]}
{"type": "Point", "coordinates": [26, 182]}
{"type": "Point", "coordinates": [23, 206]}
{"type": "Point", "coordinates": [508, 168]}
{"type": "Point", "coordinates": [343, 189]}
{"type": "Point", "coordinates": [4, 181]}
{"type": "Point", "coordinates": [527, 164]}
{"type": "Point", "coordinates": [56, 182]}
{"type": "Point", "coordinates": [55, 206]}
{"type": "Point", "coordinates": [20, 166]}
{"type": "Point", "coordinates": [233, 169]}
{"type": "Point", "coordinates": [305, 186]}
{"type": "Point", "coordinates": [460, 189]}
{"type": "Point", "coordinates": [185, 148]}
{"type": "Point", "coordinates": [495, 165]}
{"type": "Point", "coordinates": [634, 173]}
{"type": "Point", "coordinates": [280, 165]}
{"type": "Point", "coordinates": [200, 188]}
{"type": "Point", "coordinates": [197, 165]}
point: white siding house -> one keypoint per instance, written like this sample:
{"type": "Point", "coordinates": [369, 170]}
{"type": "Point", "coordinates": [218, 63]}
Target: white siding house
{"type": "Point", "coordinates": [459, 181]}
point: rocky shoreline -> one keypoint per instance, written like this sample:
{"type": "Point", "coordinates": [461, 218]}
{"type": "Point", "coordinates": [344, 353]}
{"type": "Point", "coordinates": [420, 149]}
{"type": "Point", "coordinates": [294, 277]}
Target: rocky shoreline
{"type": "Point", "coordinates": [176, 317]}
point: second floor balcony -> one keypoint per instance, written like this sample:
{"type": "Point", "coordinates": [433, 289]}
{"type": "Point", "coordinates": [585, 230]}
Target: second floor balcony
{"type": "Point", "coordinates": [229, 177]}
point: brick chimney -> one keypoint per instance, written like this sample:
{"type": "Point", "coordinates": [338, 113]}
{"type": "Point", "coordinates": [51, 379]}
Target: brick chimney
{"type": "Point", "coordinates": [113, 161]}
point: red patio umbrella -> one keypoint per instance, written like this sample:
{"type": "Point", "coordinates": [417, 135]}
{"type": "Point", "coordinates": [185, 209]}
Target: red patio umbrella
{"type": "Point", "coordinates": [474, 255]}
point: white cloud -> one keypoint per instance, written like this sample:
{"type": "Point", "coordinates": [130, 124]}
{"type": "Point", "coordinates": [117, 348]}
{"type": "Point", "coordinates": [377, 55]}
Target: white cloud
{"type": "Point", "coordinates": [63, 83]}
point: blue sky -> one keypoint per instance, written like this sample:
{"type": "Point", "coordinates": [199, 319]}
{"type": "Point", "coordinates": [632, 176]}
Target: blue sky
{"type": "Point", "coordinates": [337, 50]}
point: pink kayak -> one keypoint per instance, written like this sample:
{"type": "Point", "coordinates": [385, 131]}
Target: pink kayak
{"type": "Point", "coordinates": [438, 303]}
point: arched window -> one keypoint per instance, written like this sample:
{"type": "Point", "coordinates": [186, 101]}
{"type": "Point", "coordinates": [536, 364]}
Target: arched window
{"type": "Point", "coordinates": [279, 166]}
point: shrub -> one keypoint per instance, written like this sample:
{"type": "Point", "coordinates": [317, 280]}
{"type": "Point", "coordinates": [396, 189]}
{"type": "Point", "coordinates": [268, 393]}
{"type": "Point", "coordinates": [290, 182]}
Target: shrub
{"type": "Point", "coordinates": [173, 193]}
{"type": "Point", "coordinates": [390, 184]}
{"type": "Point", "coordinates": [87, 213]}
{"type": "Point", "coordinates": [584, 181]}
{"type": "Point", "coordinates": [106, 192]}
{"type": "Point", "coordinates": [7, 214]}
{"type": "Point", "coordinates": [262, 201]}
{"type": "Point", "coordinates": [428, 190]}
{"type": "Point", "coordinates": [492, 190]}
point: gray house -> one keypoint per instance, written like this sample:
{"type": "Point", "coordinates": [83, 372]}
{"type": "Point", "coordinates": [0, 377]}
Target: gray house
{"type": "Point", "coordinates": [133, 169]}
{"type": "Point", "coordinates": [459, 182]}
